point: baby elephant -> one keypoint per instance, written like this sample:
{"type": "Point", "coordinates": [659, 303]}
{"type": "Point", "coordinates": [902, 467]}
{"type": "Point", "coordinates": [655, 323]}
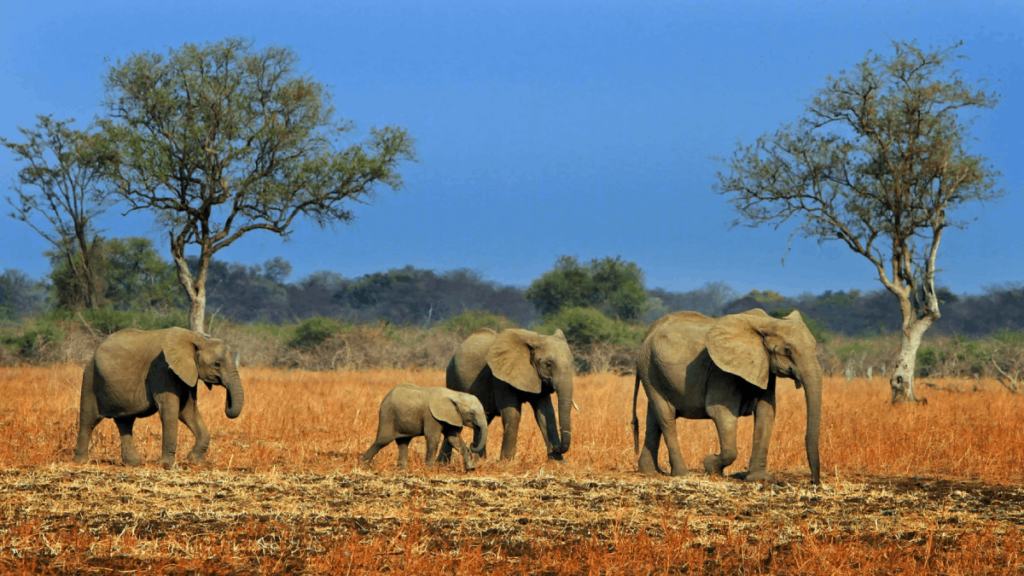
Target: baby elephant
{"type": "Point", "coordinates": [409, 410]}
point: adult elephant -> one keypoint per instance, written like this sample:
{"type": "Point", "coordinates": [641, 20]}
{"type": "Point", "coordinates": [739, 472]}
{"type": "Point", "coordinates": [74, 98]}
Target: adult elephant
{"type": "Point", "coordinates": [697, 367]}
{"type": "Point", "coordinates": [137, 373]}
{"type": "Point", "coordinates": [505, 370]}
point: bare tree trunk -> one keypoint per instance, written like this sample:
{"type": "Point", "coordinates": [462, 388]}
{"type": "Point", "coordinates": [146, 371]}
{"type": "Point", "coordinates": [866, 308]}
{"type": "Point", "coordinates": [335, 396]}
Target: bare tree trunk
{"type": "Point", "coordinates": [902, 380]}
{"type": "Point", "coordinates": [917, 318]}
{"type": "Point", "coordinates": [197, 311]}
{"type": "Point", "coordinates": [195, 287]}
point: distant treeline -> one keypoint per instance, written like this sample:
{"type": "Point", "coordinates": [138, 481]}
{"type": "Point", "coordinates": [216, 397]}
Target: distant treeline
{"type": "Point", "coordinates": [421, 297]}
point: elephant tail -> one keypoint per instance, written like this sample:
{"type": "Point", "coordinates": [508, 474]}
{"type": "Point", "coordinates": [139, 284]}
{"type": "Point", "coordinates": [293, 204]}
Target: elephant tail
{"type": "Point", "coordinates": [636, 421]}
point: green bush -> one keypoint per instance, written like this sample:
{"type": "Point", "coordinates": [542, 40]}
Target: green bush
{"type": "Point", "coordinates": [314, 331]}
{"type": "Point", "coordinates": [586, 326]}
{"type": "Point", "coordinates": [471, 320]}
{"type": "Point", "coordinates": [107, 320]}
{"type": "Point", "coordinates": [34, 337]}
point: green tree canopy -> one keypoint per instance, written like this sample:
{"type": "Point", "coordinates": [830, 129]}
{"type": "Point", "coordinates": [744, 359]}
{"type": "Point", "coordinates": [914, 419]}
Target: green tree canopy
{"type": "Point", "coordinates": [60, 190]}
{"type": "Point", "coordinates": [880, 162]}
{"type": "Point", "coordinates": [611, 285]}
{"type": "Point", "coordinates": [222, 139]}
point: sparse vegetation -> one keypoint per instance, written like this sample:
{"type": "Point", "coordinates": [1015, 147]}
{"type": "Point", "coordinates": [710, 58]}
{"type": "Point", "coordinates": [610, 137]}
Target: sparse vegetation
{"type": "Point", "coordinates": [282, 491]}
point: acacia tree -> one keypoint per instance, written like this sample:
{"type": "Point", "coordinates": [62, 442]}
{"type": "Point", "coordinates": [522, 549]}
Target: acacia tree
{"type": "Point", "coordinates": [222, 139]}
{"type": "Point", "coordinates": [879, 161]}
{"type": "Point", "coordinates": [62, 182]}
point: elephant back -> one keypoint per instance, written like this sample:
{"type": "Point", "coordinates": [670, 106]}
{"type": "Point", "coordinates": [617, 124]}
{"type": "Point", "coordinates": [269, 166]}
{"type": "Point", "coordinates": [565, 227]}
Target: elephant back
{"type": "Point", "coordinates": [124, 357]}
{"type": "Point", "coordinates": [470, 360]}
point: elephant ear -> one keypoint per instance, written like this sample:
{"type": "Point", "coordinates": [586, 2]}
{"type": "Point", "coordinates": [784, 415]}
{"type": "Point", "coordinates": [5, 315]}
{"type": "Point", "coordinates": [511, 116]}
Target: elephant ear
{"type": "Point", "coordinates": [443, 409]}
{"type": "Point", "coordinates": [509, 358]}
{"type": "Point", "coordinates": [736, 344]}
{"type": "Point", "coordinates": [179, 347]}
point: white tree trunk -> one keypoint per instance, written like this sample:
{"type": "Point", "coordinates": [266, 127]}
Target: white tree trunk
{"type": "Point", "coordinates": [902, 380]}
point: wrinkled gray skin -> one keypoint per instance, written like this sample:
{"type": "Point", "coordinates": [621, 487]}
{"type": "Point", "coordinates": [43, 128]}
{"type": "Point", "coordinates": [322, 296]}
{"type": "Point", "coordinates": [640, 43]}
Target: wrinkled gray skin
{"type": "Point", "coordinates": [697, 367]}
{"type": "Point", "coordinates": [409, 411]}
{"type": "Point", "coordinates": [516, 366]}
{"type": "Point", "coordinates": [137, 373]}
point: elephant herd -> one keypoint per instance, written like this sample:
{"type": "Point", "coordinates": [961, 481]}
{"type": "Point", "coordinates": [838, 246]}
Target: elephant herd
{"type": "Point", "coordinates": [690, 365]}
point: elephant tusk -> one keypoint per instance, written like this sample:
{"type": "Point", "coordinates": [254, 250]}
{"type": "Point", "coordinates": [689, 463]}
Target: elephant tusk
{"type": "Point", "coordinates": [575, 406]}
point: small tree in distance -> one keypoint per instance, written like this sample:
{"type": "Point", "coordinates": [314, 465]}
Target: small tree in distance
{"type": "Point", "coordinates": [62, 181]}
{"type": "Point", "coordinates": [221, 140]}
{"type": "Point", "coordinates": [611, 285]}
{"type": "Point", "coordinates": [879, 161]}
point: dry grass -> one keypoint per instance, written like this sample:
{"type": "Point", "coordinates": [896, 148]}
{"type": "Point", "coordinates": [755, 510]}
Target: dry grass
{"type": "Point", "coordinates": [917, 490]}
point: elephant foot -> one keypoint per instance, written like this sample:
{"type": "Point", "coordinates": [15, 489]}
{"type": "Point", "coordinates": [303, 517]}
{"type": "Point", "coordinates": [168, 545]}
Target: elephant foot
{"type": "Point", "coordinates": [132, 461]}
{"type": "Point", "coordinates": [80, 459]}
{"type": "Point", "coordinates": [680, 472]}
{"type": "Point", "coordinates": [759, 476]}
{"type": "Point", "coordinates": [555, 456]}
{"type": "Point", "coordinates": [196, 458]}
{"type": "Point", "coordinates": [712, 465]}
{"type": "Point", "coordinates": [168, 464]}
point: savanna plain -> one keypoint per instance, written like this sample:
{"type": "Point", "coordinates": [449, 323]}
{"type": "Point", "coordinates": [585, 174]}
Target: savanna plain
{"type": "Point", "coordinates": [928, 489]}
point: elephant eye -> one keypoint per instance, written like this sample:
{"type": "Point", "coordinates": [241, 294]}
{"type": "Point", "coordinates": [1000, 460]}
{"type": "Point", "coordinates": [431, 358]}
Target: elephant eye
{"type": "Point", "coordinates": [216, 364]}
{"type": "Point", "coordinates": [787, 351]}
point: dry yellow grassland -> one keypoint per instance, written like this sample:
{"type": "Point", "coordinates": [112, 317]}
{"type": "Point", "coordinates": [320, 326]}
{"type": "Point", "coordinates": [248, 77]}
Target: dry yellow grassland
{"type": "Point", "coordinates": [912, 490]}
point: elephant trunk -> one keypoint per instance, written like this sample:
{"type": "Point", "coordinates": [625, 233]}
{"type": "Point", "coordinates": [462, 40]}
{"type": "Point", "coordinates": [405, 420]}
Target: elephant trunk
{"type": "Point", "coordinates": [564, 415]}
{"type": "Point", "coordinates": [236, 397]}
{"type": "Point", "coordinates": [812, 390]}
{"type": "Point", "coordinates": [479, 434]}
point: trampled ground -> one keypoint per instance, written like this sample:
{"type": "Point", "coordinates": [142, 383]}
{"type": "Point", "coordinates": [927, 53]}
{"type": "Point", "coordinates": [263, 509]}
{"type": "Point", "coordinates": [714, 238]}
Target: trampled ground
{"type": "Point", "coordinates": [923, 490]}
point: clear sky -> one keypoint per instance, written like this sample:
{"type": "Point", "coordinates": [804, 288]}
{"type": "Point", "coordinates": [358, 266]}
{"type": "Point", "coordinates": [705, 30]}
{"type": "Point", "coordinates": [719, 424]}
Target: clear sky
{"type": "Point", "coordinates": [548, 127]}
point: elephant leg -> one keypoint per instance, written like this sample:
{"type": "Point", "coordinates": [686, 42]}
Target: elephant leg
{"type": "Point", "coordinates": [433, 433]}
{"type": "Point", "coordinates": [194, 420]}
{"type": "Point", "coordinates": [129, 455]}
{"type": "Point", "coordinates": [467, 457]}
{"type": "Point", "coordinates": [169, 406]}
{"type": "Point", "coordinates": [725, 419]}
{"type": "Point", "coordinates": [648, 463]}
{"type": "Point", "coordinates": [403, 452]}
{"type": "Point", "coordinates": [446, 452]}
{"type": "Point", "coordinates": [87, 421]}
{"type": "Point", "coordinates": [510, 408]}
{"type": "Point", "coordinates": [544, 412]}
{"type": "Point", "coordinates": [88, 415]}
{"type": "Point", "coordinates": [664, 415]}
{"type": "Point", "coordinates": [764, 419]}
{"type": "Point", "coordinates": [374, 448]}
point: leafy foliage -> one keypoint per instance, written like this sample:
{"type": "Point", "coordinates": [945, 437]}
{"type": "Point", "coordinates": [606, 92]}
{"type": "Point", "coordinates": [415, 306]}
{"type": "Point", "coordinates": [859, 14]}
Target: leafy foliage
{"type": "Point", "coordinates": [35, 336]}
{"type": "Point", "coordinates": [880, 162]}
{"type": "Point", "coordinates": [586, 326]}
{"type": "Point", "coordinates": [62, 182]}
{"type": "Point", "coordinates": [314, 331]}
{"type": "Point", "coordinates": [611, 285]}
{"type": "Point", "coordinates": [107, 320]}
{"type": "Point", "coordinates": [19, 296]}
{"type": "Point", "coordinates": [222, 139]}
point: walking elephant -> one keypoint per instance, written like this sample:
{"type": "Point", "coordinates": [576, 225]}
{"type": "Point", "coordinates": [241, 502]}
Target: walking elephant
{"type": "Point", "coordinates": [505, 370]}
{"type": "Point", "coordinates": [696, 367]}
{"type": "Point", "coordinates": [137, 373]}
{"type": "Point", "coordinates": [409, 411]}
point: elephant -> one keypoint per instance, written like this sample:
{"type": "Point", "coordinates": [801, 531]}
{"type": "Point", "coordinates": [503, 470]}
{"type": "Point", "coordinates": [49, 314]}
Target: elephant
{"type": "Point", "coordinates": [409, 411]}
{"type": "Point", "coordinates": [137, 373]}
{"type": "Point", "coordinates": [504, 370]}
{"type": "Point", "coordinates": [696, 367]}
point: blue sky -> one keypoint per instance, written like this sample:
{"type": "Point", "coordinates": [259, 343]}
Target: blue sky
{"type": "Point", "coordinates": [548, 128]}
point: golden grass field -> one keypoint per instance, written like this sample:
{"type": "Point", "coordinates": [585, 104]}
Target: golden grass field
{"type": "Point", "coordinates": [934, 489]}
